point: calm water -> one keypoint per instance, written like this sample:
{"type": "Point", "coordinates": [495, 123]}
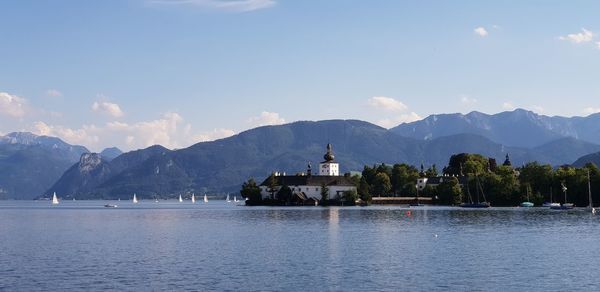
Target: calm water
{"type": "Point", "coordinates": [220, 246]}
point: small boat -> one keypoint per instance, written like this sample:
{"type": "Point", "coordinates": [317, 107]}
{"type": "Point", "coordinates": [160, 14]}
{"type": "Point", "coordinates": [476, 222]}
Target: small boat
{"type": "Point", "coordinates": [527, 204]}
{"type": "Point", "coordinates": [110, 206]}
{"type": "Point", "coordinates": [135, 200]}
{"type": "Point", "coordinates": [550, 204]}
{"type": "Point", "coordinates": [476, 204]}
{"type": "Point", "coordinates": [54, 199]}
{"type": "Point", "coordinates": [235, 199]}
{"type": "Point", "coordinates": [205, 199]}
{"type": "Point", "coordinates": [180, 199]}
{"type": "Point", "coordinates": [227, 199]}
{"type": "Point", "coordinates": [565, 205]}
{"type": "Point", "coordinates": [193, 198]}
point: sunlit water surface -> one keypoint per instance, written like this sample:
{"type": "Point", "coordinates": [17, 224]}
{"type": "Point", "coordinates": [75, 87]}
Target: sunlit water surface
{"type": "Point", "coordinates": [222, 246]}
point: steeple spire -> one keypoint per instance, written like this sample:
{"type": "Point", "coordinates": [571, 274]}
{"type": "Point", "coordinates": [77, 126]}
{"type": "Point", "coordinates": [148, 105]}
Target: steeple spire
{"type": "Point", "coordinates": [329, 155]}
{"type": "Point", "coordinates": [507, 161]}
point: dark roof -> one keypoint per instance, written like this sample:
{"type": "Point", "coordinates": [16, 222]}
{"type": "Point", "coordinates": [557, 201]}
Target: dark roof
{"type": "Point", "coordinates": [305, 180]}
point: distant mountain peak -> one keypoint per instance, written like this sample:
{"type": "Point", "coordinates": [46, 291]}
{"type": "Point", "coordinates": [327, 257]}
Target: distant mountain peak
{"type": "Point", "coordinates": [25, 138]}
{"type": "Point", "coordinates": [111, 153]}
{"type": "Point", "coordinates": [89, 161]}
{"type": "Point", "coordinates": [519, 127]}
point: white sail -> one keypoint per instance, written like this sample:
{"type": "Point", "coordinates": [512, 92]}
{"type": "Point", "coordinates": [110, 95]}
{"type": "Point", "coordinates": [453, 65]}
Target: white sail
{"type": "Point", "coordinates": [54, 199]}
{"type": "Point", "coordinates": [235, 198]}
{"type": "Point", "coordinates": [228, 200]}
{"type": "Point", "coordinates": [180, 199]}
{"type": "Point", "coordinates": [205, 199]}
{"type": "Point", "coordinates": [193, 198]}
{"type": "Point", "coordinates": [135, 200]}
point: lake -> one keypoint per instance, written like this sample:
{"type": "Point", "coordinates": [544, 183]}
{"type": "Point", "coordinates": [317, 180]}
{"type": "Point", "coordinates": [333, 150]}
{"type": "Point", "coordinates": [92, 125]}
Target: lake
{"type": "Point", "coordinates": [219, 246]}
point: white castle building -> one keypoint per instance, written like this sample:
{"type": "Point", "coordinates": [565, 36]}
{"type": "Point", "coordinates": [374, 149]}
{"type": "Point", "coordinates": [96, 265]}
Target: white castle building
{"type": "Point", "coordinates": [308, 186]}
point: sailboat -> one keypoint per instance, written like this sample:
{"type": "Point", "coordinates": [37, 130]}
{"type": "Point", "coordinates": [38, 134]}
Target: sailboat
{"type": "Point", "coordinates": [565, 205]}
{"type": "Point", "coordinates": [54, 199]}
{"type": "Point", "coordinates": [591, 204]}
{"type": "Point", "coordinates": [527, 203]}
{"type": "Point", "coordinates": [551, 203]}
{"type": "Point", "coordinates": [193, 198]}
{"type": "Point", "coordinates": [135, 200]}
{"type": "Point", "coordinates": [477, 204]}
{"type": "Point", "coordinates": [228, 200]}
{"type": "Point", "coordinates": [235, 199]}
{"type": "Point", "coordinates": [180, 199]}
{"type": "Point", "coordinates": [205, 199]}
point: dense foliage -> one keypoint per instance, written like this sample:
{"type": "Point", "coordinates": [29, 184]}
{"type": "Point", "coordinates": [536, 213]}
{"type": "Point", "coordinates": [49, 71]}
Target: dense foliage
{"type": "Point", "coordinates": [501, 185]}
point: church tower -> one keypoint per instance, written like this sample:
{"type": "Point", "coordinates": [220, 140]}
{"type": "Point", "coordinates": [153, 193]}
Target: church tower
{"type": "Point", "coordinates": [507, 161]}
{"type": "Point", "coordinates": [329, 166]}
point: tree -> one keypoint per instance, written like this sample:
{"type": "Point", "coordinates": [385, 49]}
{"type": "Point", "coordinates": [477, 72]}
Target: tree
{"type": "Point", "coordinates": [537, 176]}
{"type": "Point", "coordinates": [272, 185]}
{"type": "Point", "coordinates": [364, 190]}
{"type": "Point", "coordinates": [403, 178]}
{"type": "Point", "coordinates": [449, 191]}
{"type": "Point", "coordinates": [251, 191]}
{"type": "Point", "coordinates": [431, 171]}
{"type": "Point", "coordinates": [382, 184]}
{"type": "Point", "coordinates": [350, 197]}
{"type": "Point", "coordinates": [284, 194]}
{"type": "Point", "coordinates": [324, 195]}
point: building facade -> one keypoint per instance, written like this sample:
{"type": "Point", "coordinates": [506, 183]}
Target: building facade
{"type": "Point", "coordinates": [307, 186]}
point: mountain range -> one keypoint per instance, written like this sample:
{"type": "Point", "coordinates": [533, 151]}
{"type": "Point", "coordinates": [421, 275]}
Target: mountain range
{"type": "Point", "coordinates": [520, 128]}
{"type": "Point", "coordinates": [222, 165]}
{"type": "Point", "coordinates": [29, 164]}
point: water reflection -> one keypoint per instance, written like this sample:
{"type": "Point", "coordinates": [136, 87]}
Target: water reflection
{"type": "Point", "coordinates": [215, 246]}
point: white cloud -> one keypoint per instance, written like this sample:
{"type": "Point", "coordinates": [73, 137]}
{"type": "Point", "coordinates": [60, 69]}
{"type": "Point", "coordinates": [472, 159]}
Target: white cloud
{"type": "Point", "coordinates": [12, 105]}
{"type": "Point", "coordinates": [467, 100]}
{"type": "Point", "coordinates": [169, 131]}
{"type": "Point", "coordinates": [403, 118]}
{"type": "Point", "coordinates": [591, 110]}
{"type": "Point", "coordinates": [508, 106]}
{"type": "Point", "coordinates": [266, 118]}
{"type": "Point", "coordinates": [84, 136]}
{"type": "Point", "coordinates": [481, 31]}
{"type": "Point", "coordinates": [582, 37]}
{"type": "Point", "coordinates": [387, 103]}
{"type": "Point", "coordinates": [538, 109]}
{"type": "Point", "coordinates": [598, 45]}
{"type": "Point", "coordinates": [214, 135]}
{"type": "Point", "coordinates": [108, 108]}
{"type": "Point", "coordinates": [222, 5]}
{"type": "Point", "coordinates": [53, 93]}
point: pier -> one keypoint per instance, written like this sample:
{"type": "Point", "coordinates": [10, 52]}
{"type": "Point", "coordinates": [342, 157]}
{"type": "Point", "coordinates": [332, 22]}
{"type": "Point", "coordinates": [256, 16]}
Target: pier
{"type": "Point", "coordinates": [400, 200]}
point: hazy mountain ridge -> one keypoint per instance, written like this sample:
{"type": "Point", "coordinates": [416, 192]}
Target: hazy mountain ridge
{"type": "Point", "coordinates": [222, 165]}
{"type": "Point", "coordinates": [29, 164]}
{"type": "Point", "coordinates": [520, 128]}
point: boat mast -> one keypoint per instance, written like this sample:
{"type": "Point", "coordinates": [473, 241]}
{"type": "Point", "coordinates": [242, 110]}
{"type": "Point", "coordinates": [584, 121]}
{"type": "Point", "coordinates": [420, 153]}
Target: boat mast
{"type": "Point", "coordinates": [591, 205]}
{"type": "Point", "coordinates": [564, 189]}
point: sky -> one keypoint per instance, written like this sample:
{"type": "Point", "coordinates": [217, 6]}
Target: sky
{"type": "Point", "coordinates": [134, 73]}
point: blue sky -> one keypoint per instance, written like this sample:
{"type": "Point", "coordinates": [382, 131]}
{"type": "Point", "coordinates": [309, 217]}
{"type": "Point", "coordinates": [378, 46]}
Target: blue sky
{"type": "Point", "coordinates": [132, 73]}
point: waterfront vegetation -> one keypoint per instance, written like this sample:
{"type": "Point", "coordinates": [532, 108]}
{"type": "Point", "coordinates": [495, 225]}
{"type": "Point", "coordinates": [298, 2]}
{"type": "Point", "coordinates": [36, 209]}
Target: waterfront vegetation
{"type": "Point", "coordinates": [503, 185]}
